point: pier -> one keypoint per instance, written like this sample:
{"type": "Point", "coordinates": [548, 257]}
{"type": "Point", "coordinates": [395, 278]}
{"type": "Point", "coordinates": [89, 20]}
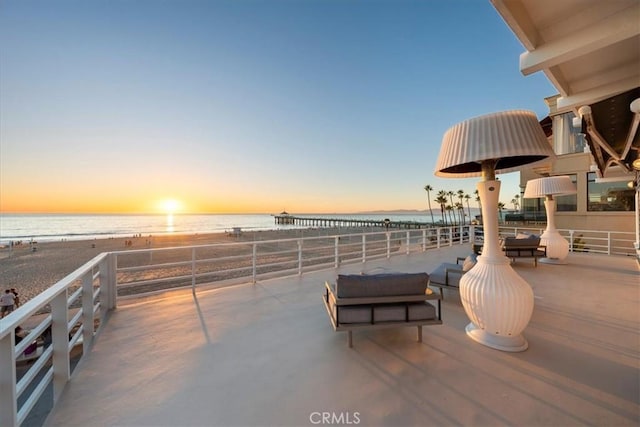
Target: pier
{"type": "Point", "coordinates": [286, 219]}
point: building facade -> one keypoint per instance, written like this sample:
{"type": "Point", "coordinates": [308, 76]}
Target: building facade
{"type": "Point", "coordinates": [601, 203]}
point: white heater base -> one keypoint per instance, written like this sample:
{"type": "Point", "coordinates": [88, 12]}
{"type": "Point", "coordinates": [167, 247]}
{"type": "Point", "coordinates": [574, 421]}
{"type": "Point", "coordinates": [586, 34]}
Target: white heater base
{"type": "Point", "coordinates": [512, 344]}
{"type": "Point", "coordinates": [553, 261]}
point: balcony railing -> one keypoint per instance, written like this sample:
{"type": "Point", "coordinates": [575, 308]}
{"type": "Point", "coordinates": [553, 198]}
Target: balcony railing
{"type": "Point", "coordinates": [71, 311]}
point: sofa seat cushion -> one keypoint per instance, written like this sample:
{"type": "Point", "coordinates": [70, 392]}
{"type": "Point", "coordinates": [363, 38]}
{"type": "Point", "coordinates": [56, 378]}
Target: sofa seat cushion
{"type": "Point", "coordinates": [381, 285]}
{"type": "Point", "coordinates": [439, 274]}
{"type": "Point", "coordinates": [398, 312]}
{"type": "Point", "coordinates": [354, 314]}
{"type": "Point", "coordinates": [386, 313]}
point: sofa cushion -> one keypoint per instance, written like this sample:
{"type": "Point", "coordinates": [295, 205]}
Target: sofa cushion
{"type": "Point", "coordinates": [421, 311]}
{"type": "Point", "coordinates": [389, 313]}
{"type": "Point", "coordinates": [439, 274]}
{"type": "Point", "coordinates": [398, 312]}
{"type": "Point", "coordinates": [381, 285]}
{"type": "Point", "coordinates": [530, 242]}
{"type": "Point", "coordinates": [469, 262]}
{"type": "Point", "coordinates": [354, 314]}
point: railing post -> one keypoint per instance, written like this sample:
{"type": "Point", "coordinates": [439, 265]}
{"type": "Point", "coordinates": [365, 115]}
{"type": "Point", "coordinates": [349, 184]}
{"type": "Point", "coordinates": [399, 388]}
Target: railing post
{"type": "Point", "coordinates": [408, 242]}
{"type": "Point", "coordinates": [193, 270]}
{"type": "Point", "coordinates": [107, 277]}
{"type": "Point", "coordinates": [608, 243]}
{"type": "Point", "coordinates": [364, 248]}
{"type": "Point", "coordinates": [60, 343]}
{"type": "Point", "coordinates": [450, 236]}
{"type": "Point", "coordinates": [388, 244]}
{"type": "Point", "coordinates": [299, 257]}
{"type": "Point", "coordinates": [336, 240]}
{"type": "Point", "coordinates": [87, 311]}
{"type": "Point", "coordinates": [438, 237]}
{"type": "Point", "coordinates": [424, 239]}
{"type": "Point", "coordinates": [254, 261]}
{"type": "Point", "coordinates": [9, 400]}
{"type": "Point", "coordinates": [571, 240]}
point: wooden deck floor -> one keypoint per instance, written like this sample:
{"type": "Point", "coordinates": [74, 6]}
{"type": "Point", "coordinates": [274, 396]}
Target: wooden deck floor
{"type": "Point", "coordinates": [266, 355]}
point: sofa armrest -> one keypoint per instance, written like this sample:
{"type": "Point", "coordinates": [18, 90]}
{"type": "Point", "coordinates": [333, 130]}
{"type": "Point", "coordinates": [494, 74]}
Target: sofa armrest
{"type": "Point", "coordinates": [460, 258]}
{"type": "Point", "coordinates": [329, 293]}
{"type": "Point", "coordinates": [459, 271]}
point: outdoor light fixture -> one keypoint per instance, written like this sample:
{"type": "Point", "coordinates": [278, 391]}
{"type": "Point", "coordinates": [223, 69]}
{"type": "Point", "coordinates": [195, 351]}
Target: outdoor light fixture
{"type": "Point", "coordinates": [557, 246]}
{"type": "Point", "coordinates": [497, 300]}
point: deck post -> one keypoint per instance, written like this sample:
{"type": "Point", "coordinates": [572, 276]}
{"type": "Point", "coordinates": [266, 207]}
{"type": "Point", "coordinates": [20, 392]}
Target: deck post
{"type": "Point", "coordinates": [9, 401]}
{"type": "Point", "coordinates": [408, 242]}
{"type": "Point", "coordinates": [388, 244]}
{"type": "Point", "coordinates": [87, 311]}
{"type": "Point", "coordinates": [193, 270]}
{"type": "Point", "coordinates": [254, 262]}
{"type": "Point", "coordinates": [107, 277]}
{"type": "Point", "coordinates": [336, 240]}
{"type": "Point", "coordinates": [364, 248]}
{"type": "Point", "coordinates": [60, 343]}
{"type": "Point", "coordinates": [299, 257]}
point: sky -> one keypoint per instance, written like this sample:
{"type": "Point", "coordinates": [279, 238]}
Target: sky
{"type": "Point", "coordinates": [246, 106]}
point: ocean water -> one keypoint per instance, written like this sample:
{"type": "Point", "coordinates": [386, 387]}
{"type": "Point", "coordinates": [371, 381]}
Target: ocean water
{"type": "Point", "coordinates": [57, 227]}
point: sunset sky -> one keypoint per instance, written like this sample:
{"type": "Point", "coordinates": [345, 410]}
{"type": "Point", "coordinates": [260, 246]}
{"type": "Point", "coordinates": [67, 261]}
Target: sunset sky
{"type": "Point", "coordinates": [245, 106]}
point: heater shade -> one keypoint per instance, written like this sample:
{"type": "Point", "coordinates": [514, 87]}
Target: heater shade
{"type": "Point", "coordinates": [511, 138]}
{"type": "Point", "coordinates": [551, 186]}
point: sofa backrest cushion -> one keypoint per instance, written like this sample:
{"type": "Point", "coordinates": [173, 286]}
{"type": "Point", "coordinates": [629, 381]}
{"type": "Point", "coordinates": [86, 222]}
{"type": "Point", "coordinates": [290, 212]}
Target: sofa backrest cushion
{"type": "Point", "coordinates": [381, 285]}
{"type": "Point", "coordinates": [469, 262]}
{"type": "Point", "coordinates": [529, 242]}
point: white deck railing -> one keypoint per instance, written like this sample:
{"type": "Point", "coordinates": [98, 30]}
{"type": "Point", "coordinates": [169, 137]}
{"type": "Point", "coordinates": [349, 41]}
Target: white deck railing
{"type": "Point", "coordinates": [70, 312]}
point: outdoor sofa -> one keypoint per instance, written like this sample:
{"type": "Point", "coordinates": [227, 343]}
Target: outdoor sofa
{"type": "Point", "coordinates": [524, 246]}
{"type": "Point", "coordinates": [375, 301]}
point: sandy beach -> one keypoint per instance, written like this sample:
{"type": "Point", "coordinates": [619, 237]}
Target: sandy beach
{"type": "Point", "coordinates": [31, 272]}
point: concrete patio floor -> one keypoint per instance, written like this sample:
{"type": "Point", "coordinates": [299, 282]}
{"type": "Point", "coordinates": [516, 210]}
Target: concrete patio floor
{"type": "Point", "coordinates": [266, 355]}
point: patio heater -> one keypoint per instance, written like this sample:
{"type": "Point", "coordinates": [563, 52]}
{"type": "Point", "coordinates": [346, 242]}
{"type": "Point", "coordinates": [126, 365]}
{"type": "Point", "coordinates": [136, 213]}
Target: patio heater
{"type": "Point", "coordinates": [557, 246]}
{"type": "Point", "coordinates": [497, 300]}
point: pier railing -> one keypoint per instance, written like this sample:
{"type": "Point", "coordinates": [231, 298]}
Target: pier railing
{"type": "Point", "coordinates": [68, 315]}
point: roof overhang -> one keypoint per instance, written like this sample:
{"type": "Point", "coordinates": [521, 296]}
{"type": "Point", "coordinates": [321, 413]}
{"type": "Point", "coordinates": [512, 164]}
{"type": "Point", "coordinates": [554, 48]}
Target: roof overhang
{"type": "Point", "coordinates": [590, 51]}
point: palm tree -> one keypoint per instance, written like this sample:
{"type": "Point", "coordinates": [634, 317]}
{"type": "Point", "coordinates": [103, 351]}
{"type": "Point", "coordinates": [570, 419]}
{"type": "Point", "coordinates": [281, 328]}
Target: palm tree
{"type": "Point", "coordinates": [428, 189]}
{"type": "Point", "coordinates": [514, 202]}
{"type": "Point", "coordinates": [461, 197]}
{"type": "Point", "coordinates": [442, 200]}
{"type": "Point", "coordinates": [449, 210]}
{"type": "Point", "coordinates": [450, 194]}
{"type": "Point", "coordinates": [517, 197]}
{"type": "Point", "coordinates": [460, 209]}
{"type": "Point", "coordinates": [467, 198]}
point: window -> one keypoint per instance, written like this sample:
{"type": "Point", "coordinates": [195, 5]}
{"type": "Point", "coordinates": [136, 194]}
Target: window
{"type": "Point", "coordinates": [568, 203]}
{"type": "Point", "coordinates": [609, 196]}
